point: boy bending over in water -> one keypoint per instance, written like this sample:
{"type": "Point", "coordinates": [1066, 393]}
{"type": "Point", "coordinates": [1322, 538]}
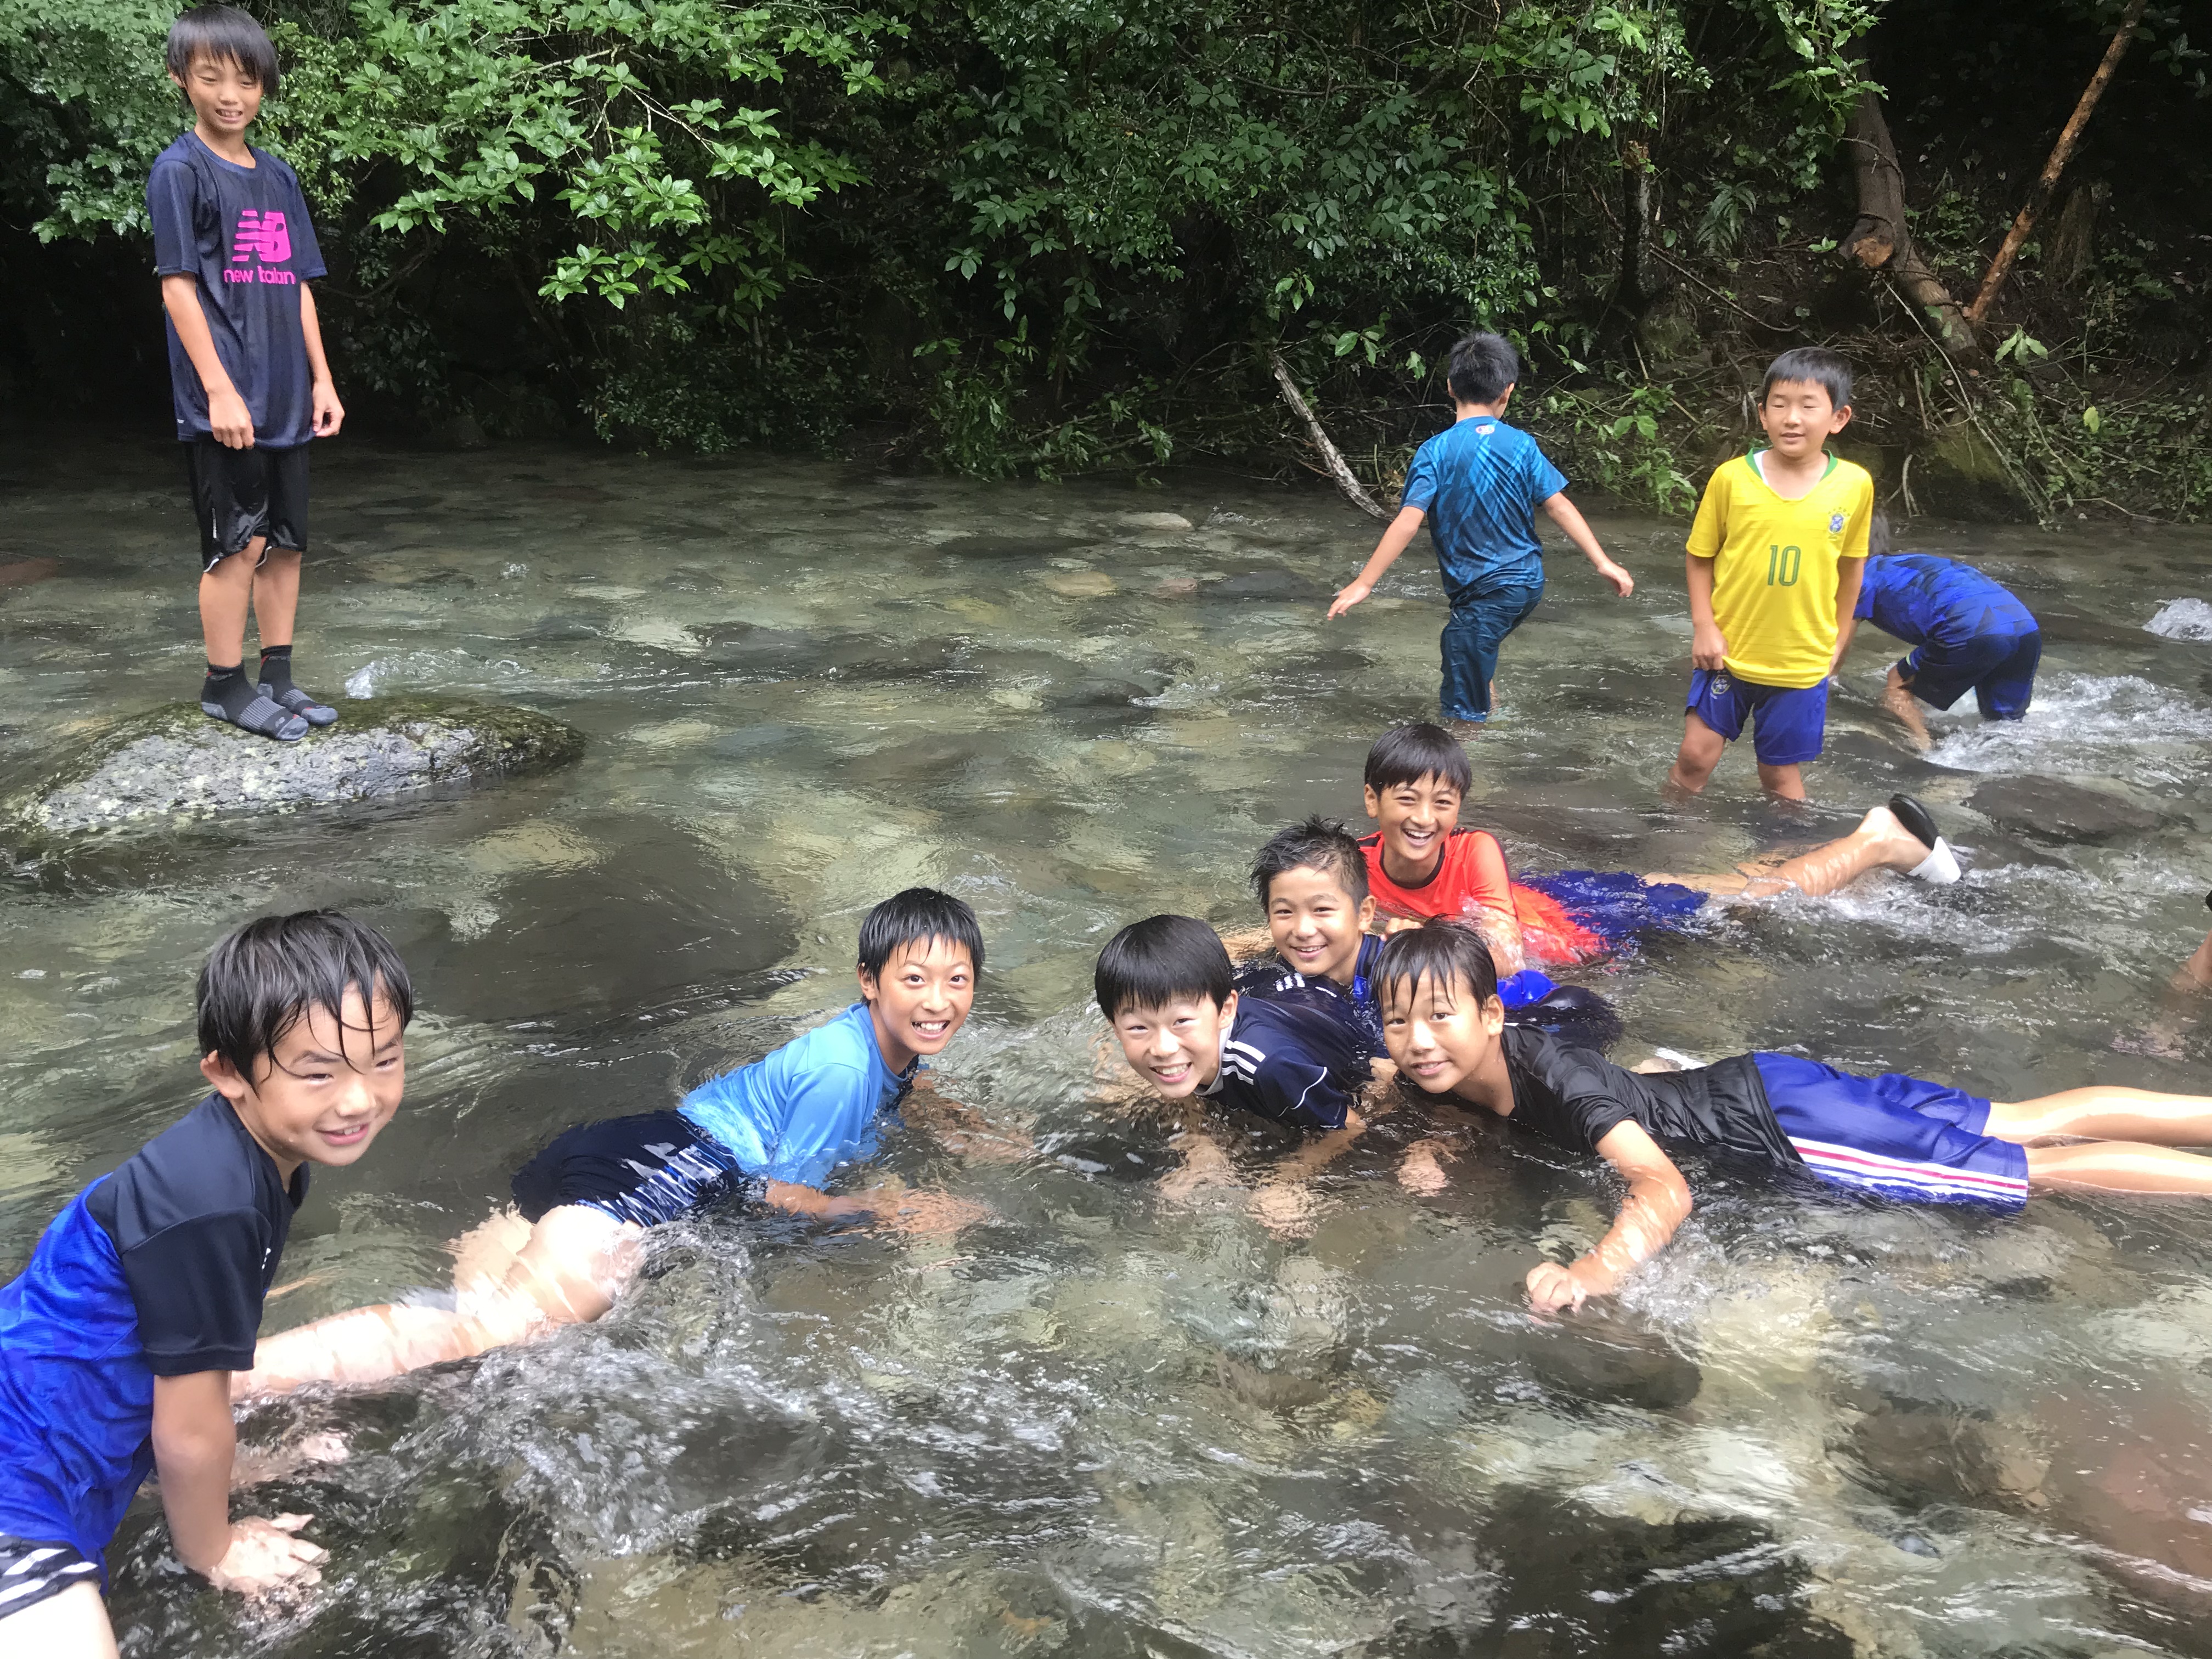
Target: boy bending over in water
{"type": "Point", "coordinates": [1420, 864]}
{"type": "Point", "coordinates": [1894, 1136]}
{"type": "Point", "coordinates": [771, 1133]}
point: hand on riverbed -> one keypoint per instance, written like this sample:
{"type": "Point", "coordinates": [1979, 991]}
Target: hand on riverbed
{"type": "Point", "coordinates": [263, 1555]}
{"type": "Point", "coordinates": [924, 1214]}
{"type": "Point", "coordinates": [1552, 1287]}
{"type": "Point", "coordinates": [1287, 1209]}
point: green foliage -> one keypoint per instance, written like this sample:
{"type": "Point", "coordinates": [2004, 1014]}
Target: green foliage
{"type": "Point", "coordinates": [698, 219]}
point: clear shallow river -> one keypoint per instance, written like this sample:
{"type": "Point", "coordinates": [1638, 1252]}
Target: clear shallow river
{"type": "Point", "coordinates": [1108, 1425]}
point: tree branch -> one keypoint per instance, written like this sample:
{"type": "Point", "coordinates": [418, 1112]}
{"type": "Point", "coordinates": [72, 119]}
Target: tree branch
{"type": "Point", "coordinates": [1354, 491]}
{"type": "Point", "coordinates": [2039, 195]}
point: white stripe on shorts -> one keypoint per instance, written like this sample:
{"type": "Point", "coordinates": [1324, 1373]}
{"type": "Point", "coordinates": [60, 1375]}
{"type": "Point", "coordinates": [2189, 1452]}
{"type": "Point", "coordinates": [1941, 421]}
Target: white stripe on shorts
{"type": "Point", "coordinates": [1853, 1167]}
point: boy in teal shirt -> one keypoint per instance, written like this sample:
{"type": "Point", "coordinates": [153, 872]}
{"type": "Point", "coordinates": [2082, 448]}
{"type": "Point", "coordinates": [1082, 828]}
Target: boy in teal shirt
{"type": "Point", "coordinates": [771, 1133]}
{"type": "Point", "coordinates": [1476, 486]}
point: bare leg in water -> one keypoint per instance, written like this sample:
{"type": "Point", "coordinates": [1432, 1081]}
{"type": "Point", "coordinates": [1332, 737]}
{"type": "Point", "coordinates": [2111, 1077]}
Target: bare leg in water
{"type": "Point", "coordinates": [2126, 1139]}
{"type": "Point", "coordinates": [1881, 842]}
{"type": "Point", "coordinates": [2195, 974]}
{"type": "Point", "coordinates": [511, 1280]}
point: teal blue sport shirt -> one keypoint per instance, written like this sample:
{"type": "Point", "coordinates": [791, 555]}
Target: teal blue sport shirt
{"type": "Point", "coordinates": [799, 1113]}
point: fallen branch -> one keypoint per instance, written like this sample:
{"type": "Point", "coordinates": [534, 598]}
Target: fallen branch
{"type": "Point", "coordinates": [1354, 491]}
{"type": "Point", "coordinates": [2039, 195]}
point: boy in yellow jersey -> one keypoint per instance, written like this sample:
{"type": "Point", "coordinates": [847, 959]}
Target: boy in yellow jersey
{"type": "Point", "coordinates": [1776, 556]}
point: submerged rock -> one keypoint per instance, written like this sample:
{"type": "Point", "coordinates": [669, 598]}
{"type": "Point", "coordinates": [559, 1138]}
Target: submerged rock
{"type": "Point", "coordinates": [175, 762]}
{"type": "Point", "coordinates": [2053, 810]}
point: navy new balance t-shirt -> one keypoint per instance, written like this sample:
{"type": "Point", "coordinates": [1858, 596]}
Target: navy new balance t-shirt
{"type": "Point", "coordinates": [244, 232]}
{"type": "Point", "coordinates": [1481, 482]}
{"type": "Point", "coordinates": [158, 1270]}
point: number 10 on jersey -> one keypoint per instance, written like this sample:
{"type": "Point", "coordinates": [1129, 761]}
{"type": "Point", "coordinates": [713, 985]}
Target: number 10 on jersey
{"type": "Point", "coordinates": [1782, 566]}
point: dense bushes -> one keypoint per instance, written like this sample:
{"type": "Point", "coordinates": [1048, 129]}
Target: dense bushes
{"type": "Point", "coordinates": [1024, 234]}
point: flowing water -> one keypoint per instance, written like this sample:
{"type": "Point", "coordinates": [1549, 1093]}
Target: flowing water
{"type": "Point", "coordinates": [1110, 1422]}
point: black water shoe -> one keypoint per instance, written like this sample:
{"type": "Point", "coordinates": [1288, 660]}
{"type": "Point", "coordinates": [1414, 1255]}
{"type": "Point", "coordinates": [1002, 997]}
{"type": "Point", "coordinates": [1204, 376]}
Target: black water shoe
{"type": "Point", "coordinates": [225, 696]}
{"type": "Point", "coordinates": [1941, 867]}
{"type": "Point", "coordinates": [276, 686]}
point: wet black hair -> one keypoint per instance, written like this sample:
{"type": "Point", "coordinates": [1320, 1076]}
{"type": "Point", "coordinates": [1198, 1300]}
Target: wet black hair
{"type": "Point", "coordinates": [915, 917]}
{"type": "Point", "coordinates": [1160, 960]}
{"type": "Point", "coordinates": [1406, 754]}
{"type": "Point", "coordinates": [1483, 365]}
{"type": "Point", "coordinates": [223, 33]}
{"type": "Point", "coordinates": [1878, 533]}
{"type": "Point", "coordinates": [1443, 952]}
{"type": "Point", "coordinates": [1813, 366]}
{"type": "Point", "coordinates": [1321, 844]}
{"type": "Point", "coordinates": [263, 980]}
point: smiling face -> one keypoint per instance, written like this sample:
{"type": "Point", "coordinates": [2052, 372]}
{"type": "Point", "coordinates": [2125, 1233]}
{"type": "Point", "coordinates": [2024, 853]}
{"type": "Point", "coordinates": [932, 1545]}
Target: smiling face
{"type": "Point", "coordinates": [331, 1085]}
{"type": "Point", "coordinates": [921, 1000]}
{"type": "Point", "coordinates": [1314, 924]}
{"type": "Point", "coordinates": [1800, 419]}
{"type": "Point", "coordinates": [1416, 818]}
{"type": "Point", "coordinates": [1177, 1048]}
{"type": "Point", "coordinates": [1439, 1034]}
{"type": "Point", "coordinates": [226, 95]}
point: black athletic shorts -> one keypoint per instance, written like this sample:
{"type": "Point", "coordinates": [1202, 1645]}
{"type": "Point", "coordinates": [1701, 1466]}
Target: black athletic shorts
{"type": "Point", "coordinates": [650, 1170]}
{"type": "Point", "coordinates": [240, 493]}
{"type": "Point", "coordinates": [31, 1571]}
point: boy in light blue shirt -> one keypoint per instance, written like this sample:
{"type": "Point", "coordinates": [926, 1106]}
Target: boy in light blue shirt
{"type": "Point", "coordinates": [1478, 486]}
{"type": "Point", "coordinates": [772, 1132]}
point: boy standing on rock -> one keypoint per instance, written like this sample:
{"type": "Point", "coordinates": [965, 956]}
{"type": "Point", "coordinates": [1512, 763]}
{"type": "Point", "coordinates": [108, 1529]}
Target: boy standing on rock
{"type": "Point", "coordinates": [235, 250]}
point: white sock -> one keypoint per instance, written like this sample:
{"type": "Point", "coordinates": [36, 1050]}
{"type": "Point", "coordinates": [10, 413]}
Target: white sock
{"type": "Point", "coordinates": [1941, 867]}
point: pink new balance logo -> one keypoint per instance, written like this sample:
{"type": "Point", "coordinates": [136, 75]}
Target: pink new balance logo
{"type": "Point", "coordinates": [265, 237]}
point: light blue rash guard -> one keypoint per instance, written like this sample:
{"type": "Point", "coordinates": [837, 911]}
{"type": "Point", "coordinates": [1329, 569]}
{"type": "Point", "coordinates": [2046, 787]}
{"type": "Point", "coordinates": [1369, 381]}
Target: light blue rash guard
{"type": "Point", "coordinates": [797, 1114]}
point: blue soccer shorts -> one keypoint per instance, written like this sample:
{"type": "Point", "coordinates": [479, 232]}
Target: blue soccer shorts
{"type": "Point", "coordinates": [1788, 722]}
{"type": "Point", "coordinates": [1892, 1134]}
{"type": "Point", "coordinates": [1999, 669]}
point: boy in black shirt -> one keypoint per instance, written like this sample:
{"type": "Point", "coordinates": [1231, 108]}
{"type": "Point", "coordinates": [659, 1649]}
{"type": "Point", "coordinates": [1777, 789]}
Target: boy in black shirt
{"type": "Point", "coordinates": [235, 251]}
{"type": "Point", "coordinates": [118, 1339]}
{"type": "Point", "coordinates": [1892, 1134]}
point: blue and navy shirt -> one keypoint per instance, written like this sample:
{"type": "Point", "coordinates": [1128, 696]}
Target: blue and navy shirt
{"type": "Point", "coordinates": [244, 233]}
{"type": "Point", "coordinates": [1924, 600]}
{"type": "Point", "coordinates": [812, 1105]}
{"type": "Point", "coordinates": [158, 1270]}
{"type": "Point", "coordinates": [1480, 482]}
{"type": "Point", "coordinates": [1360, 1004]}
{"type": "Point", "coordinates": [1292, 1055]}
{"type": "Point", "coordinates": [1355, 1004]}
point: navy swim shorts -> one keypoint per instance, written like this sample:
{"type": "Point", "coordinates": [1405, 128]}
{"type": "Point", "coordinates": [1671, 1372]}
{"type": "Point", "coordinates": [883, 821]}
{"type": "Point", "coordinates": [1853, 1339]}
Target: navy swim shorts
{"type": "Point", "coordinates": [649, 1169]}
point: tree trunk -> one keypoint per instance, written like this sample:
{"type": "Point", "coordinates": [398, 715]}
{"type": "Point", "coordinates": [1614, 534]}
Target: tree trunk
{"type": "Point", "coordinates": [2039, 193]}
{"type": "Point", "coordinates": [1881, 241]}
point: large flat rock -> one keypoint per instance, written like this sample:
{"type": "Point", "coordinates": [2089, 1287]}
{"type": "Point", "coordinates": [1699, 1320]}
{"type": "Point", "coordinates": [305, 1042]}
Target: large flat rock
{"type": "Point", "coordinates": [2051, 809]}
{"type": "Point", "coordinates": [176, 763]}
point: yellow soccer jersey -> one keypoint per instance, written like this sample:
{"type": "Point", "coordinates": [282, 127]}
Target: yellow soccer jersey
{"type": "Point", "coordinates": [1774, 566]}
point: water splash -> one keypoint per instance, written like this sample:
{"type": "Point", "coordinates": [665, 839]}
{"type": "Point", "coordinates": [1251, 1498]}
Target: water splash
{"type": "Point", "coordinates": [2182, 619]}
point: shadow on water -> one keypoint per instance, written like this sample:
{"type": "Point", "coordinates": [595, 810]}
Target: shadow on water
{"type": "Point", "coordinates": [1111, 1422]}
